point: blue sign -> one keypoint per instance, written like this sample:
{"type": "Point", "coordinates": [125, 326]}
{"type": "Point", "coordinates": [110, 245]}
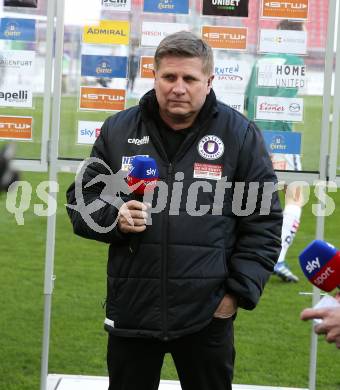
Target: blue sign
{"type": "Point", "coordinates": [284, 142]}
{"type": "Point", "coordinates": [104, 66]}
{"type": "Point", "coordinates": [167, 6]}
{"type": "Point", "coordinates": [17, 29]}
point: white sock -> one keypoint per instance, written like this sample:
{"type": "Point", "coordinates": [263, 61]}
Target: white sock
{"type": "Point", "coordinates": [290, 225]}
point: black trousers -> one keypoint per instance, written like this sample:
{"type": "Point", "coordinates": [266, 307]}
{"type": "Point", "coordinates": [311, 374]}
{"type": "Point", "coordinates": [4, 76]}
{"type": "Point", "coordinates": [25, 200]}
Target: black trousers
{"type": "Point", "coordinates": [204, 360]}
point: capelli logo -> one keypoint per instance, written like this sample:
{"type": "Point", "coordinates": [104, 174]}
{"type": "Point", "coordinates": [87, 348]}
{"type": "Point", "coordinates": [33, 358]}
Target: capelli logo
{"type": "Point", "coordinates": [139, 141]}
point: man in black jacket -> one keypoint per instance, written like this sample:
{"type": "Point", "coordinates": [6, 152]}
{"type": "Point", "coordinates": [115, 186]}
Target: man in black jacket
{"type": "Point", "coordinates": [178, 290]}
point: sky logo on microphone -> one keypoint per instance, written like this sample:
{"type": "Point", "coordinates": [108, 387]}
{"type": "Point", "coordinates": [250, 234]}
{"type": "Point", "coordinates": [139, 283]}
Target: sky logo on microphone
{"type": "Point", "coordinates": [320, 263]}
{"type": "Point", "coordinates": [312, 265]}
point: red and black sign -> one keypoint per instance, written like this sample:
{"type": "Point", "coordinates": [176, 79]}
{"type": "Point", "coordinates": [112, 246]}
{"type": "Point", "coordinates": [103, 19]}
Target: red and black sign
{"type": "Point", "coordinates": [225, 8]}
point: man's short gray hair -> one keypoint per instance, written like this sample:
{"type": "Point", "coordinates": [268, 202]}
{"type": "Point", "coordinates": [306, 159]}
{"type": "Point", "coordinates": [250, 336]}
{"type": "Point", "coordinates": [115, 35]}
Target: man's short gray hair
{"type": "Point", "coordinates": [185, 44]}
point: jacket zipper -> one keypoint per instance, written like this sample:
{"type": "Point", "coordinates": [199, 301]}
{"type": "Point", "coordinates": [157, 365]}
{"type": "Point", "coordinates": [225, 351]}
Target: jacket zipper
{"type": "Point", "coordinates": [165, 255]}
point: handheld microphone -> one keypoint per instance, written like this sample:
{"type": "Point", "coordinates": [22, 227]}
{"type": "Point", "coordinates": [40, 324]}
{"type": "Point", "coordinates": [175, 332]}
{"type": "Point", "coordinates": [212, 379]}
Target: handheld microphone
{"type": "Point", "coordinates": [143, 175]}
{"type": "Point", "coordinates": [142, 178]}
{"type": "Point", "coordinates": [320, 262]}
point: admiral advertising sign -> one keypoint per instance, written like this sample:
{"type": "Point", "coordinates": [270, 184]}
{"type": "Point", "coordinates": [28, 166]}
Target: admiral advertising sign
{"type": "Point", "coordinates": [108, 32]}
{"type": "Point", "coordinates": [17, 29]}
{"type": "Point", "coordinates": [225, 8]}
{"type": "Point", "coordinates": [153, 32]}
{"type": "Point", "coordinates": [233, 100]}
{"type": "Point", "coordinates": [279, 109]}
{"type": "Point", "coordinates": [16, 127]}
{"type": "Point", "coordinates": [230, 75]}
{"type": "Point", "coordinates": [17, 62]}
{"type": "Point", "coordinates": [88, 131]}
{"type": "Point", "coordinates": [283, 41]}
{"type": "Point", "coordinates": [232, 38]}
{"type": "Point", "coordinates": [285, 142]}
{"type": "Point", "coordinates": [116, 5]}
{"type": "Point", "coordinates": [15, 96]}
{"type": "Point", "coordinates": [167, 6]}
{"type": "Point", "coordinates": [104, 66]}
{"type": "Point", "coordinates": [281, 76]}
{"type": "Point", "coordinates": [102, 99]}
{"type": "Point", "coordinates": [285, 9]}
{"type": "Point", "coordinates": [146, 67]}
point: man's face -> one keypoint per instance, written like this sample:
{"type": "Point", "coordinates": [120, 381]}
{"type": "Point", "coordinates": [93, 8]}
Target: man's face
{"type": "Point", "coordinates": [181, 88]}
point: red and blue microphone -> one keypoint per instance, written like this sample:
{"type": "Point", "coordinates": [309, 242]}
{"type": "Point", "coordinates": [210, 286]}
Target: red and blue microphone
{"type": "Point", "coordinates": [143, 175]}
{"type": "Point", "coordinates": [320, 262]}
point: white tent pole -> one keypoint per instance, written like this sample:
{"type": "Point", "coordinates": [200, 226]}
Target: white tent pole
{"type": "Point", "coordinates": [333, 158]}
{"type": "Point", "coordinates": [51, 221]}
{"type": "Point", "coordinates": [323, 166]}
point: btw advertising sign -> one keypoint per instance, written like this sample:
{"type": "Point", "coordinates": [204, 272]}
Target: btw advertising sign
{"type": "Point", "coordinates": [285, 9]}
{"type": "Point", "coordinates": [232, 38]}
{"type": "Point", "coordinates": [146, 67]}
{"type": "Point", "coordinates": [102, 99]}
{"type": "Point", "coordinates": [16, 128]}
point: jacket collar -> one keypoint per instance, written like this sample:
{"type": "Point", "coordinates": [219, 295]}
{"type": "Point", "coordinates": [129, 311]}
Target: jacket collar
{"type": "Point", "coordinates": [149, 107]}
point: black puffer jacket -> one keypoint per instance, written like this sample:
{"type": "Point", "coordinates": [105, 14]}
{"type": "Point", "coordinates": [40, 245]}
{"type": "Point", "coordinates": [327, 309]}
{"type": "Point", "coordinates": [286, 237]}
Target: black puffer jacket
{"type": "Point", "coordinates": [171, 283]}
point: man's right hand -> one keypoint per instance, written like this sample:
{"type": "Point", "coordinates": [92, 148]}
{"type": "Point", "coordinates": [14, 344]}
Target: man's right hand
{"type": "Point", "coordinates": [132, 217]}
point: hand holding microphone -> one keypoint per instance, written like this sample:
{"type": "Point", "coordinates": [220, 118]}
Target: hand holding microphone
{"type": "Point", "coordinates": [142, 178]}
{"type": "Point", "coordinates": [320, 262]}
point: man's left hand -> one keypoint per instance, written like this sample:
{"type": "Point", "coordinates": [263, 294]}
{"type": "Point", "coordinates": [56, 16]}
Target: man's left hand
{"type": "Point", "coordinates": [227, 307]}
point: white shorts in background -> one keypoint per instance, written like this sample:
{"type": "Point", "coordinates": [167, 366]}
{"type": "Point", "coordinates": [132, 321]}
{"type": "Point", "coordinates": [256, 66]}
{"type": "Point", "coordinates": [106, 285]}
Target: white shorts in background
{"type": "Point", "coordinates": [286, 162]}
